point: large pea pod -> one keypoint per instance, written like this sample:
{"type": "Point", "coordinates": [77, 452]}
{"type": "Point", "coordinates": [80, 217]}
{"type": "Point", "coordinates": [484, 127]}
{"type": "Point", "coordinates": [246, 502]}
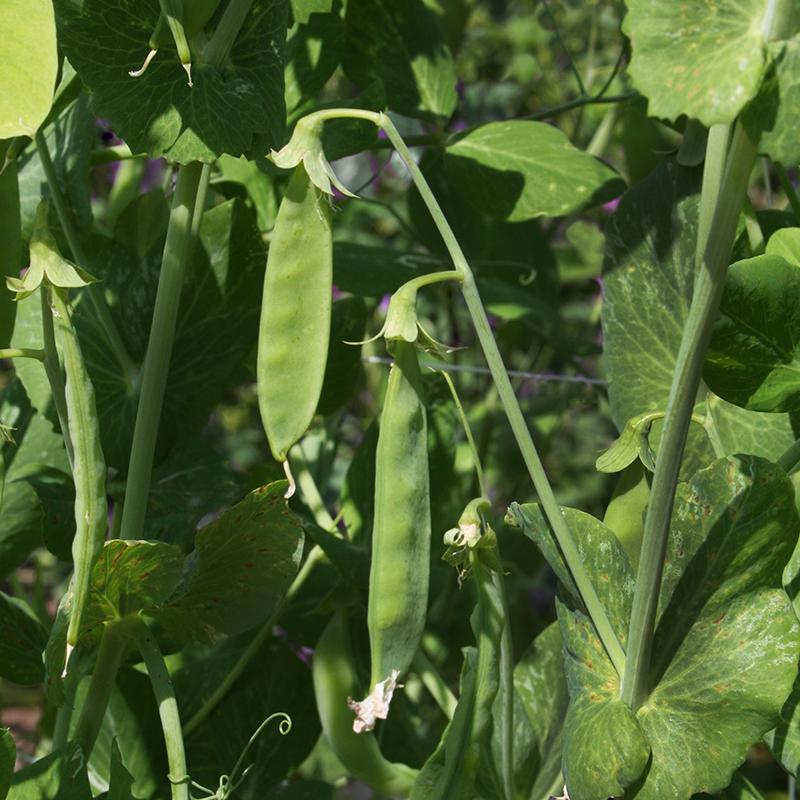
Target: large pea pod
{"type": "Point", "coordinates": [88, 466]}
{"type": "Point", "coordinates": [335, 681]}
{"type": "Point", "coordinates": [295, 314]}
{"type": "Point", "coordinates": [401, 535]}
{"type": "Point", "coordinates": [452, 770]}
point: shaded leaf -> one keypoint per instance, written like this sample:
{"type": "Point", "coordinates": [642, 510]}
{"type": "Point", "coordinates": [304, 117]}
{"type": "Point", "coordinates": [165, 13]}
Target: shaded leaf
{"type": "Point", "coordinates": [56, 493]}
{"type": "Point", "coordinates": [58, 776]}
{"type": "Point", "coordinates": [519, 170]}
{"type": "Point", "coordinates": [708, 67]}
{"type": "Point", "coordinates": [121, 781]}
{"type": "Point", "coordinates": [753, 359]}
{"type": "Point", "coordinates": [241, 566]}
{"type": "Point", "coordinates": [30, 64]}
{"type": "Point", "coordinates": [8, 755]}
{"type": "Point", "coordinates": [303, 9]}
{"type": "Point", "coordinates": [371, 271]}
{"type": "Point", "coordinates": [22, 642]}
{"type": "Point", "coordinates": [159, 113]}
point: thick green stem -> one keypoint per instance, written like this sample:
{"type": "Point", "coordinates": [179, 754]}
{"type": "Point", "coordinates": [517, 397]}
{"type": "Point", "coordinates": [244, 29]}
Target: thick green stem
{"type": "Point", "coordinates": [218, 48]}
{"type": "Point", "coordinates": [709, 282]}
{"type": "Point", "coordinates": [512, 409]}
{"type": "Point", "coordinates": [95, 292]}
{"type": "Point", "coordinates": [159, 350]}
{"type": "Point", "coordinates": [167, 710]}
{"type": "Point", "coordinates": [713, 249]}
{"type": "Point", "coordinates": [109, 658]}
{"type": "Point", "coordinates": [52, 368]}
{"type": "Point", "coordinates": [21, 352]}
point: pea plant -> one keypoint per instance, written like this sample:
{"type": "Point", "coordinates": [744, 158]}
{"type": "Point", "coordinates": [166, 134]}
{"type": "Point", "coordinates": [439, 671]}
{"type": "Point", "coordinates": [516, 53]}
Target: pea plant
{"type": "Point", "coordinates": [466, 470]}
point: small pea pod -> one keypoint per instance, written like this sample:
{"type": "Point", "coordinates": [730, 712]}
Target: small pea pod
{"type": "Point", "coordinates": [627, 508]}
{"type": "Point", "coordinates": [295, 315]}
{"type": "Point", "coordinates": [398, 579]}
{"type": "Point", "coordinates": [88, 468]}
{"type": "Point", "coordinates": [452, 769]}
{"type": "Point", "coordinates": [334, 681]}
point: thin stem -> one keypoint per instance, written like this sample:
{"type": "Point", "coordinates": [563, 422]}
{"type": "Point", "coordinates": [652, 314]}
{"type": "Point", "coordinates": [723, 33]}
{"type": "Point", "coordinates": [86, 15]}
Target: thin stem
{"type": "Point", "coordinates": [110, 155]}
{"type": "Point", "coordinates": [167, 710]}
{"type": "Point", "coordinates": [314, 555]}
{"type": "Point", "coordinates": [66, 709]}
{"type": "Point", "coordinates": [506, 688]}
{"type": "Point", "coordinates": [755, 236]}
{"type": "Point", "coordinates": [21, 352]}
{"type": "Point", "coordinates": [597, 99]}
{"type": "Point", "coordinates": [790, 460]}
{"type": "Point", "coordinates": [685, 384]}
{"type": "Point", "coordinates": [95, 292]}
{"type": "Point", "coordinates": [433, 682]}
{"type": "Point", "coordinates": [221, 42]}
{"type": "Point", "coordinates": [511, 406]}
{"type": "Point", "coordinates": [159, 350]}
{"type": "Point", "coordinates": [572, 66]}
{"type": "Point", "coordinates": [309, 489]}
{"type": "Point", "coordinates": [788, 189]}
{"type": "Point", "coordinates": [52, 368]}
{"type": "Point", "coordinates": [109, 658]}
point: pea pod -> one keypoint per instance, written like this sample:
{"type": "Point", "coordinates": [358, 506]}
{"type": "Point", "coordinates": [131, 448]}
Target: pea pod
{"type": "Point", "coordinates": [11, 249]}
{"type": "Point", "coordinates": [452, 769]}
{"type": "Point", "coordinates": [625, 512]}
{"type": "Point", "coordinates": [334, 681]}
{"type": "Point", "coordinates": [398, 579]}
{"type": "Point", "coordinates": [295, 315]}
{"type": "Point", "coordinates": [88, 468]}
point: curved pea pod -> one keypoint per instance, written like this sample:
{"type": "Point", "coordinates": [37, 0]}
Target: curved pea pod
{"type": "Point", "coordinates": [398, 579]}
{"type": "Point", "coordinates": [626, 510]}
{"type": "Point", "coordinates": [334, 681]}
{"type": "Point", "coordinates": [88, 467]}
{"type": "Point", "coordinates": [295, 314]}
{"type": "Point", "coordinates": [452, 769]}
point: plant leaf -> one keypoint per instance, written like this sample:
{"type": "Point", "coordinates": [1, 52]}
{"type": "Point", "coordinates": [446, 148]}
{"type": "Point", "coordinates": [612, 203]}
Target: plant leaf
{"type": "Point", "coordinates": [519, 170]}
{"type": "Point", "coordinates": [708, 67]}
{"type": "Point", "coordinates": [58, 776]}
{"type": "Point", "coordinates": [753, 360]}
{"type": "Point", "coordinates": [242, 565]}
{"type": "Point", "coordinates": [8, 755]}
{"type": "Point", "coordinates": [158, 113]}
{"type": "Point", "coordinates": [22, 642]}
{"type": "Point", "coordinates": [30, 65]}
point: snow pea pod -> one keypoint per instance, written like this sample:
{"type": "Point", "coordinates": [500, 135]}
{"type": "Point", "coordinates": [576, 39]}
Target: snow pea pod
{"type": "Point", "coordinates": [398, 579]}
{"type": "Point", "coordinates": [295, 315]}
{"type": "Point", "coordinates": [334, 681]}
{"type": "Point", "coordinates": [88, 467]}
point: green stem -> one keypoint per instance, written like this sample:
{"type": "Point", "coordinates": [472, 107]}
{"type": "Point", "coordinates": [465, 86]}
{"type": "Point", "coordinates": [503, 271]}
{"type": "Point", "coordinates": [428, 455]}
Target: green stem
{"type": "Point", "coordinates": [309, 490]}
{"type": "Point", "coordinates": [433, 682]}
{"type": "Point", "coordinates": [788, 189]}
{"type": "Point", "coordinates": [95, 292]}
{"type": "Point", "coordinates": [790, 460]}
{"type": "Point", "coordinates": [506, 688]}
{"type": "Point", "coordinates": [159, 350]}
{"type": "Point", "coordinates": [685, 384]}
{"type": "Point", "coordinates": [21, 352]}
{"type": "Point", "coordinates": [513, 412]}
{"type": "Point", "coordinates": [314, 555]}
{"type": "Point", "coordinates": [67, 708]}
{"type": "Point", "coordinates": [113, 154]}
{"type": "Point", "coordinates": [167, 710]}
{"type": "Point", "coordinates": [52, 368]}
{"type": "Point", "coordinates": [109, 659]}
{"type": "Point", "coordinates": [755, 236]}
{"type": "Point", "coordinates": [713, 250]}
{"type": "Point", "coordinates": [218, 48]}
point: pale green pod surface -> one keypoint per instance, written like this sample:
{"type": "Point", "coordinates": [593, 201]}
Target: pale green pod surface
{"type": "Point", "coordinates": [626, 510]}
{"type": "Point", "coordinates": [334, 681]}
{"type": "Point", "coordinates": [401, 535]}
{"type": "Point", "coordinates": [88, 468]}
{"type": "Point", "coordinates": [295, 314]}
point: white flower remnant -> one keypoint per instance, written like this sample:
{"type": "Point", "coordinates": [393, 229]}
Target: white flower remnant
{"type": "Point", "coordinates": [375, 705]}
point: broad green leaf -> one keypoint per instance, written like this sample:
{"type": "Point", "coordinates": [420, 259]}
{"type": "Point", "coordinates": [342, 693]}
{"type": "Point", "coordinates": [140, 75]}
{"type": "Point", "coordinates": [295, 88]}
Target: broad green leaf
{"type": "Point", "coordinates": [774, 113]}
{"type": "Point", "coordinates": [159, 113]}
{"type": "Point", "coordinates": [277, 678]}
{"type": "Point", "coordinates": [8, 755]}
{"type": "Point", "coordinates": [701, 58]}
{"type": "Point", "coordinates": [56, 492]}
{"type": "Point", "coordinates": [58, 776]}
{"type": "Point", "coordinates": [241, 566]}
{"type": "Point", "coordinates": [216, 327]}
{"type": "Point", "coordinates": [11, 252]}
{"type": "Point", "coordinates": [343, 368]}
{"type": "Point", "coordinates": [786, 244]}
{"type": "Point", "coordinates": [519, 170]}
{"type": "Point", "coordinates": [130, 577]}
{"type": "Point", "coordinates": [727, 642]}
{"type": "Point", "coordinates": [541, 689]}
{"type": "Point", "coordinates": [30, 64]}
{"type": "Point", "coordinates": [303, 9]}
{"type": "Point", "coordinates": [22, 642]}
{"type": "Point", "coordinates": [121, 781]}
{"type": "Point", "coordinates": [648, 278]}
{"type": "Point", "coordinates": [753, 360]}
{"type": "Point", "coordinates": [400, 43]}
